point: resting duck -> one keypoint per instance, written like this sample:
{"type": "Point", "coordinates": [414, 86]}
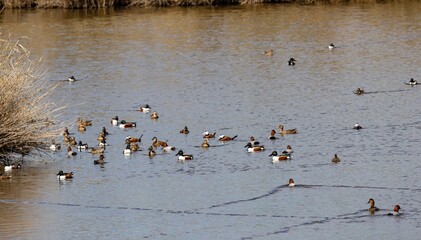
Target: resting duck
{"type": "Point", "coordinates": [276, 158]}
{"type": "Point", "coordinates": [291, 183]}
{"type": "Point", "coordinates": [99, 150]}
{"type": "Point", "coordinates": [154, 115]}
{"type": "Point", "coordinates": [145, 108]}
{"type": "Point", "coordinates": [253, 141]}
{"type": "Point", "coordinates": [291, 62]}
{"type": "Point", "coordinates": [372, 208]}
{"type": "Point", "coordinates": [359, 91]}
{"type": "Point", "coordinates": [156, 143]}
{"type": "Point", "coordinates": [166, 147]}
{"type": "Point", "coordinates": [331, 46]}
{"type": "Point", "coordinates": [125, 124]}
{"type": "Point", "coordinates": [251, 148]}
{"type": "Point", "coordinates": [127, 151]}
{"type": "Point", "coordinates": [100, 160]}
{"type": "Point", "coordinates": [55, 146]}
{"type": "Point", "coordinates": [64, 176]}
{"type": "Point", "coordinates": [288, 151]}
{"type": "Point", "coordinates": [130, 139]}
{"type": "Point", "coordinates": [71, 79]}
{"type": "Point", "coordinates": [335, 159]}
{"type": "Point", "coordinates": [82, 146]}
{"type": "Point", "coordinates": [268, 53]}
{"type": "Point", "coordinates": [395, 211]}
{"type": "Point", "coordinates": [357, 127]}
{"type": "Point", "coordinates": [183, 157]}
{"type": "Point", "coordinates": [206, 134]}
{"type": "Point", "coordinates": [114, 121]}
{"type": "Point", "coordinates": [226, 138]}
{"type": "Point", "coordinates": [272, 135]}
{"type": "Point", "coordinates": [287, 131]}
{"type": "Point", "coordinates": [70, 152]}
{"type": "Point", "coordinates": [151, 152]}
{"type": "Point", "coordinates": [185, 130]}
{"type": "Point", "coordinates": [205, 144]}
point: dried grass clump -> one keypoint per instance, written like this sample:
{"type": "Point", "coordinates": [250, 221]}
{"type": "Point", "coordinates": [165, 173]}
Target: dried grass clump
{"type": "Point", "coordinates": [26, 116]}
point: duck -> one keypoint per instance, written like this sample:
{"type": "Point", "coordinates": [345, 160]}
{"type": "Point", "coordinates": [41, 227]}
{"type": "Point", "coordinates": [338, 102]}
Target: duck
{"type": "Point", "coordinates": [185, 130]}
{"type": "Point", "coordinates": [291, 62]}
{"type": "Point", "coordinates": [64, 176]}
{"type": "Point", "coordinates": [151, 152]}
{"type": "Point", "coordinates": [276, 158]}
{"type": "Point", "coordinates": [72, 141]}
{"type": "Point", "coordinates": [100, 160]}
{"type": "Point", "coordinates": [125, 124]}
{"type": "Point", "coordinates": [207, 134]}
{"type": "Point", "coordinates": [166, 147]}
{"type": "Point", "coordinates": [288, 151]}
{"type": "Point", "coordinates": [359, 91]}
{"type": "Point", "coordinates": [99, 150]}
{"type": "Point", "coordinates": [272, 135]}
{"type": "Point", "coordinates": [82, 146]}
{"type": "Point", "coordinates": [253, 141]}
{"type": "Point", "coordinates": [205, 144]}
{"type": "Point", "coordinates": [104, 131]}
{"type": "Point", "coordinates": [84, 123]}
{"type": "Point", "coordinates": [81, 128]}
{"type": "Point", "coordinates": [70, 152]}
{"type": "Point", "coordinates": [66, 138]}
{"type": "Point", "coordinates": [372, 208]}
{"type": "Point", "coordinates": [71, 79]}
{"type": "Point", "coordinates": [130, 139]}
{"type": "Point", "coordinates": [335, 159]}
{"type": "Point", "coordinates": [357, 127]}
{"type": "Point", "coordinates": [156, 143]}
{"type": "Point", "coordinates": [331, 46]}
{"type": "Point", "coordinates": [287, 131]}
{"type": "Point", "coordinates": [395, 211]}
{"type": "Point", "coordinates": [226, 138]}
{"type": "Point", "coordinates": [127, 150]}
{"type": "Point", "coordinates": [268, 52]}
{"type": "Point", "coordinates": [102, 143]}
{"type": "Point", "coordinates": [251, 148]}
{"type": "Point", "coordinates": [145, 108]}
{"type": "Point", "coordinates": [291, 183]}
{"type": "Point", "coordinates": [154, 115]}
{"type": "Point", "coordinates": [184, 157]}
{"type": "Point", "coordinates": [66, 131]}
{"type": "Point", "coordinates": [101, 136]}
{"type": "Point", "coordinates": [412, 82]}
{"type": "Point", "coordinates": [55, 146]}
{"type": "Point", "coordinates": [114, 121]}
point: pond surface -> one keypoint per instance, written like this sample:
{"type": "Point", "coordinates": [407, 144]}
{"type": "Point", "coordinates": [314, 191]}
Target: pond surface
{"type": "Point", "coordinates": [204, 68]}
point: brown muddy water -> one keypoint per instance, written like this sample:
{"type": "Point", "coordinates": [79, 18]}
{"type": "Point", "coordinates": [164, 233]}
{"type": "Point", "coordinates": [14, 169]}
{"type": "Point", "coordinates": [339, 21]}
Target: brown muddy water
{"type": "Point", "coordinates": [203, 68]}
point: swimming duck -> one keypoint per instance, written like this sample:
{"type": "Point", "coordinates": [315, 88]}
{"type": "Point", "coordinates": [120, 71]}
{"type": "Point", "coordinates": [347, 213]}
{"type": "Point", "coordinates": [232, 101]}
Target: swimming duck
{"type": "Point", "coordinates": [127, 151]}
{"type": "Point", "coordinates": [226, 138]}
{"type": "Point", "coordinates": [66, 131]}
{"type": "Point", "coordinates": [82, 146]}
{"type": "Point", "coordinates": [101, 136]}
{"type": "Point", "coordinates": [99, 150]}
{"type": "Point", "coordinates": [331, 46]}
{"type": "Point", "coordinates": [276, 158]}
{"type": "Point", "coordinates": [357, 127]}
{"type": "Point", "coordinates": [372, 208]}
{"type": "Point", "coordinates": [335, 159]}
{"type": "Point", "coordinates": [166, 147]}
{"type": "Point", "coordinates": [104, 131]}
{"type": "Point", "coordinates": [288, 151]}
{"type": "Point", "coordinates": [55, 146]}
{"type": "Point", "coordinates": [359, 91]}
{"type": "Point", "coordinates": [253, 141]}
{"type": "Point", "coordinates": [287, 131]}
{"type": "Point", "coordinates": [151, 152]}
{"type": "Point", "coordinates": [268, 53]}
{"type": "Point", "coordinates": [125, 124]}
{"type": "Point", "coordinates": [130, 139]}
{"type": "Point", "coordinates": [84, 123]}
{"type": "Point", "coordinates": [154, 115]}
{"type": "Point", "coordinates": [251, 148]}
{"type": "Point", "coordinates": [395, 211]}
{"type": "Point", "coordinates": [291, 183]}
{"type": "Point", "coordinates": [70, 152]}
{"type": "Point", "coordinates": [71, 79]}
{"type": "Point", "coordinates": [66, 138]}
{"type": "Point", "coordinates": [156, 143]}
{"type": "Point", "coordinates": [114, 121]}
{"type": "Point", "coordinates": [205, 144]}
{"type": "Point", "coordinates": [185, 130]}
{"type": "Point", "coordinates": [206, 134]}
{"type": "Point", "coordinates": [272, 135]}
{"type": "Point", "coordinates": [145, 108]}
{"type": "Point", "coordinates": [72, 141]}
{"type": "Point", "coordinates": [412, 82]}
{"type": "Point", "coordinates": [183, 157]}
{"type": "Point", "coordinates": [134, 147]}
{"type": "Point", "coordinates": [100, 160]}
{"type": "Point", "coordinates": [64, 176]}
{"type": "Point", "coordinates": [291, 62]}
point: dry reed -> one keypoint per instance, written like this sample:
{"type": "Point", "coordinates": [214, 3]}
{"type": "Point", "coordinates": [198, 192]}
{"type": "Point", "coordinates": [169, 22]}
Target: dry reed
{"type": "Point", "coordinates": [26, 116]}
